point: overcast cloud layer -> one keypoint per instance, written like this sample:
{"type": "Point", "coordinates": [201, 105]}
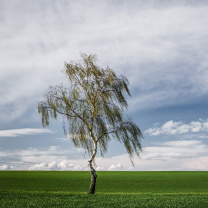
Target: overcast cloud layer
{"type": "Point", "coordinates": [160, 46]}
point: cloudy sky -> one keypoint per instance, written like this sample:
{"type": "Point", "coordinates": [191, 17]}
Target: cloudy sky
{"type": "Point", "coordinates": [159, 45]}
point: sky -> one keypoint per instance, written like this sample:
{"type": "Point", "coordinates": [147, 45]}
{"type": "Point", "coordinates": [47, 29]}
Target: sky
{"type": "Point", "coordinates": [159, 45]}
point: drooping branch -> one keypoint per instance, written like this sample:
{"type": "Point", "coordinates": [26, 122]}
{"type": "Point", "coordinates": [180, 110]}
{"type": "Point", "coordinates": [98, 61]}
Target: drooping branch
{"type": "Point", "coordinates": [95, 101]}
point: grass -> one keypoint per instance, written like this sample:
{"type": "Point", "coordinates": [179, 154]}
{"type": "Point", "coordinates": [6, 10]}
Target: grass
{"type": "Point", "coordinates": [113, 189]}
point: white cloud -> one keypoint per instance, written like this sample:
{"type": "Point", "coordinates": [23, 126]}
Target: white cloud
{"type": "Point", "coordinates": [179, 127]}
{"type": "Point", "coordinates": [183, 143]}
{"type": "Point", "coordinates": [6, 167]}
{"type": "Point", "coordinates": [200, 163]}
{"type": "Point", "coordinates": [115, 167]}
{"type": "Point", "coordinates": [34, 155]}
{"type": "Point", "coordinates": [41, 166]}
{"type": "Point", "coordinates": [175, 149]}
{"type": "Point", "coordinates": [100, 168]}
{"type": "Point", "coordinates": [202, 136]}
{"type": "Point", "coordinates": [175, 155]}
{"type": "Point", "coordinates": [22, 132]}
{"type": "Point", "coordinates": [53, 165]}
{"type": "Point", "coordinates": [63, 165]}
{"type": "Point", "coordinates": [72, 165]}
{"type": "Point", "coordinates": [68, 165]}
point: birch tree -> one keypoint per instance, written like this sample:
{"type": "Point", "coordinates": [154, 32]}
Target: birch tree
{"type": "Point", "coordinates": [93, 107]}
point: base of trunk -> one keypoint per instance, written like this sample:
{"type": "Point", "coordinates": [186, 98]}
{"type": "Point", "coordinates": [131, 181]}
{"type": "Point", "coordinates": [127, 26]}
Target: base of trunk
{"type": "Point", "coordinates": [93, 180]}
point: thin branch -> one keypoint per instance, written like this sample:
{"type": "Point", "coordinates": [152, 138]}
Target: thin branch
{"type": "Point", "coordinates": [113, 131]}
{"type": "Point", "coordinates": [66, 114]}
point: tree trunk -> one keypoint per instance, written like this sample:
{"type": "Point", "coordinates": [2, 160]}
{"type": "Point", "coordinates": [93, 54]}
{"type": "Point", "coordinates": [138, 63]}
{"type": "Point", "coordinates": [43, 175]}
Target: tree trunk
{"type": "Point", "coordinates": [93, 179]}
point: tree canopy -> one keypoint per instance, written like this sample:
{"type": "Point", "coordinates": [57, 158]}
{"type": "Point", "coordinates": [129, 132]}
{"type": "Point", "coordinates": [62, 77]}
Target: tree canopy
{"type": "Point", "coordinates": [93, 107]}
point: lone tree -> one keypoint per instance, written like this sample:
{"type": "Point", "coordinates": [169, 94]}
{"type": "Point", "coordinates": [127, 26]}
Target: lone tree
{"type": "Point", "coordinates": [93, 108]}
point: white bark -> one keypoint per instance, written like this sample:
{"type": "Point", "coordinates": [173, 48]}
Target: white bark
{"type": "Point", "coordinates": [92, 170]}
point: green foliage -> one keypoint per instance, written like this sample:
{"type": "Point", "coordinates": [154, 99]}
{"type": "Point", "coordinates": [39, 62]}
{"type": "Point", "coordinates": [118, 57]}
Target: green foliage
{"type": "Point", "coordinates": [115, 189]}
{"type": "Point", "coordinates": [93, 107]}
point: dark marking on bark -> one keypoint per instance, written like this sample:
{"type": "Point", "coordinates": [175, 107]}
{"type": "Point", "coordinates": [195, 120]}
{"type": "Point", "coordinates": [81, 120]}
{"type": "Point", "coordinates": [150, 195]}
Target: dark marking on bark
{"type": "Point", "coordinates": [93, 179]}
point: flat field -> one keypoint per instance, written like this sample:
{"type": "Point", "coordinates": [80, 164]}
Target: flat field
{"type": "Point", "coordinates": [113, 189]}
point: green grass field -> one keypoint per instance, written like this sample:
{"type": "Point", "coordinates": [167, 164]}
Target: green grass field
{"type": "Point", "coordinates": [113, 189]}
